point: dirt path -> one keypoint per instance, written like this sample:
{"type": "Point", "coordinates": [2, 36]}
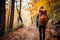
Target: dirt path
{"type": "Point", "coordinates": [26, 33]}
{"type": "Point", "coordinates": [29, 33]}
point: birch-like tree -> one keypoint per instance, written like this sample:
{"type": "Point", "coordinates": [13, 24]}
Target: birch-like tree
{"type": "Point", "coordinates": [18, 7]}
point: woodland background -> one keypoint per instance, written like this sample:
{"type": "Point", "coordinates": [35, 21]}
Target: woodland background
{"type": "Point", "coordinates": [15, 14]}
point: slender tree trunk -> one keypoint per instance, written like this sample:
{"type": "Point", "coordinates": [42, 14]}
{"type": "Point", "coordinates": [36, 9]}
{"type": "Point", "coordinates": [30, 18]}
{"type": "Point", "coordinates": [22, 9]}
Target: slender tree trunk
{"type": "Point", "coordinates": [19, 13]}
{"type": "Point", "coordinates": [12, 15]}
{"type": "Point", "coordinates": [19, 18]}
{"type": "Point", "coordinates": [2, 17]}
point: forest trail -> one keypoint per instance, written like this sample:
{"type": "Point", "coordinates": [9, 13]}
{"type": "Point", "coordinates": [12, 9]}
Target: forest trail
{"type": "Point", "coordinates": [26, 33]}
{"type": "Point", "coordinates": [29, 33]}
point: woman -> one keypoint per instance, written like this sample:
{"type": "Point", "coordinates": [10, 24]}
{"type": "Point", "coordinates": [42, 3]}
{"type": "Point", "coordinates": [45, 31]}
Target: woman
{"type": "Point", "coordinates": [42, 20]}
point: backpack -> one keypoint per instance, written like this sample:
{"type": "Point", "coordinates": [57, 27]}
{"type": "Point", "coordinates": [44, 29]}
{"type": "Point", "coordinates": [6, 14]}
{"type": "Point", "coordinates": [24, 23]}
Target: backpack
{"type": "Point", "coordinates": [43, 19]}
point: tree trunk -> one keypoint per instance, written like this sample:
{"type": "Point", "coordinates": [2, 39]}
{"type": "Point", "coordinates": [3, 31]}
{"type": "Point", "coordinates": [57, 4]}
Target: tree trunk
{"type": "Point", "coordinates": [12, 15]}
{"type": "Point", "coordinates": [19, 13]}
{"type": "Point", "coordinates": [2, 17]}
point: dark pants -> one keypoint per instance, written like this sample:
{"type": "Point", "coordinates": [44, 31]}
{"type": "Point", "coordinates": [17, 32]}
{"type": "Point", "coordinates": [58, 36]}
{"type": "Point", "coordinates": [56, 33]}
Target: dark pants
{"type": "Point", "coordinates": [42, 32]}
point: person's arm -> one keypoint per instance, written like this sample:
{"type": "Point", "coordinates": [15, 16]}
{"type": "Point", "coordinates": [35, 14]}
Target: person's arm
{"type": "Point", "coordinates": [37, 20]}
